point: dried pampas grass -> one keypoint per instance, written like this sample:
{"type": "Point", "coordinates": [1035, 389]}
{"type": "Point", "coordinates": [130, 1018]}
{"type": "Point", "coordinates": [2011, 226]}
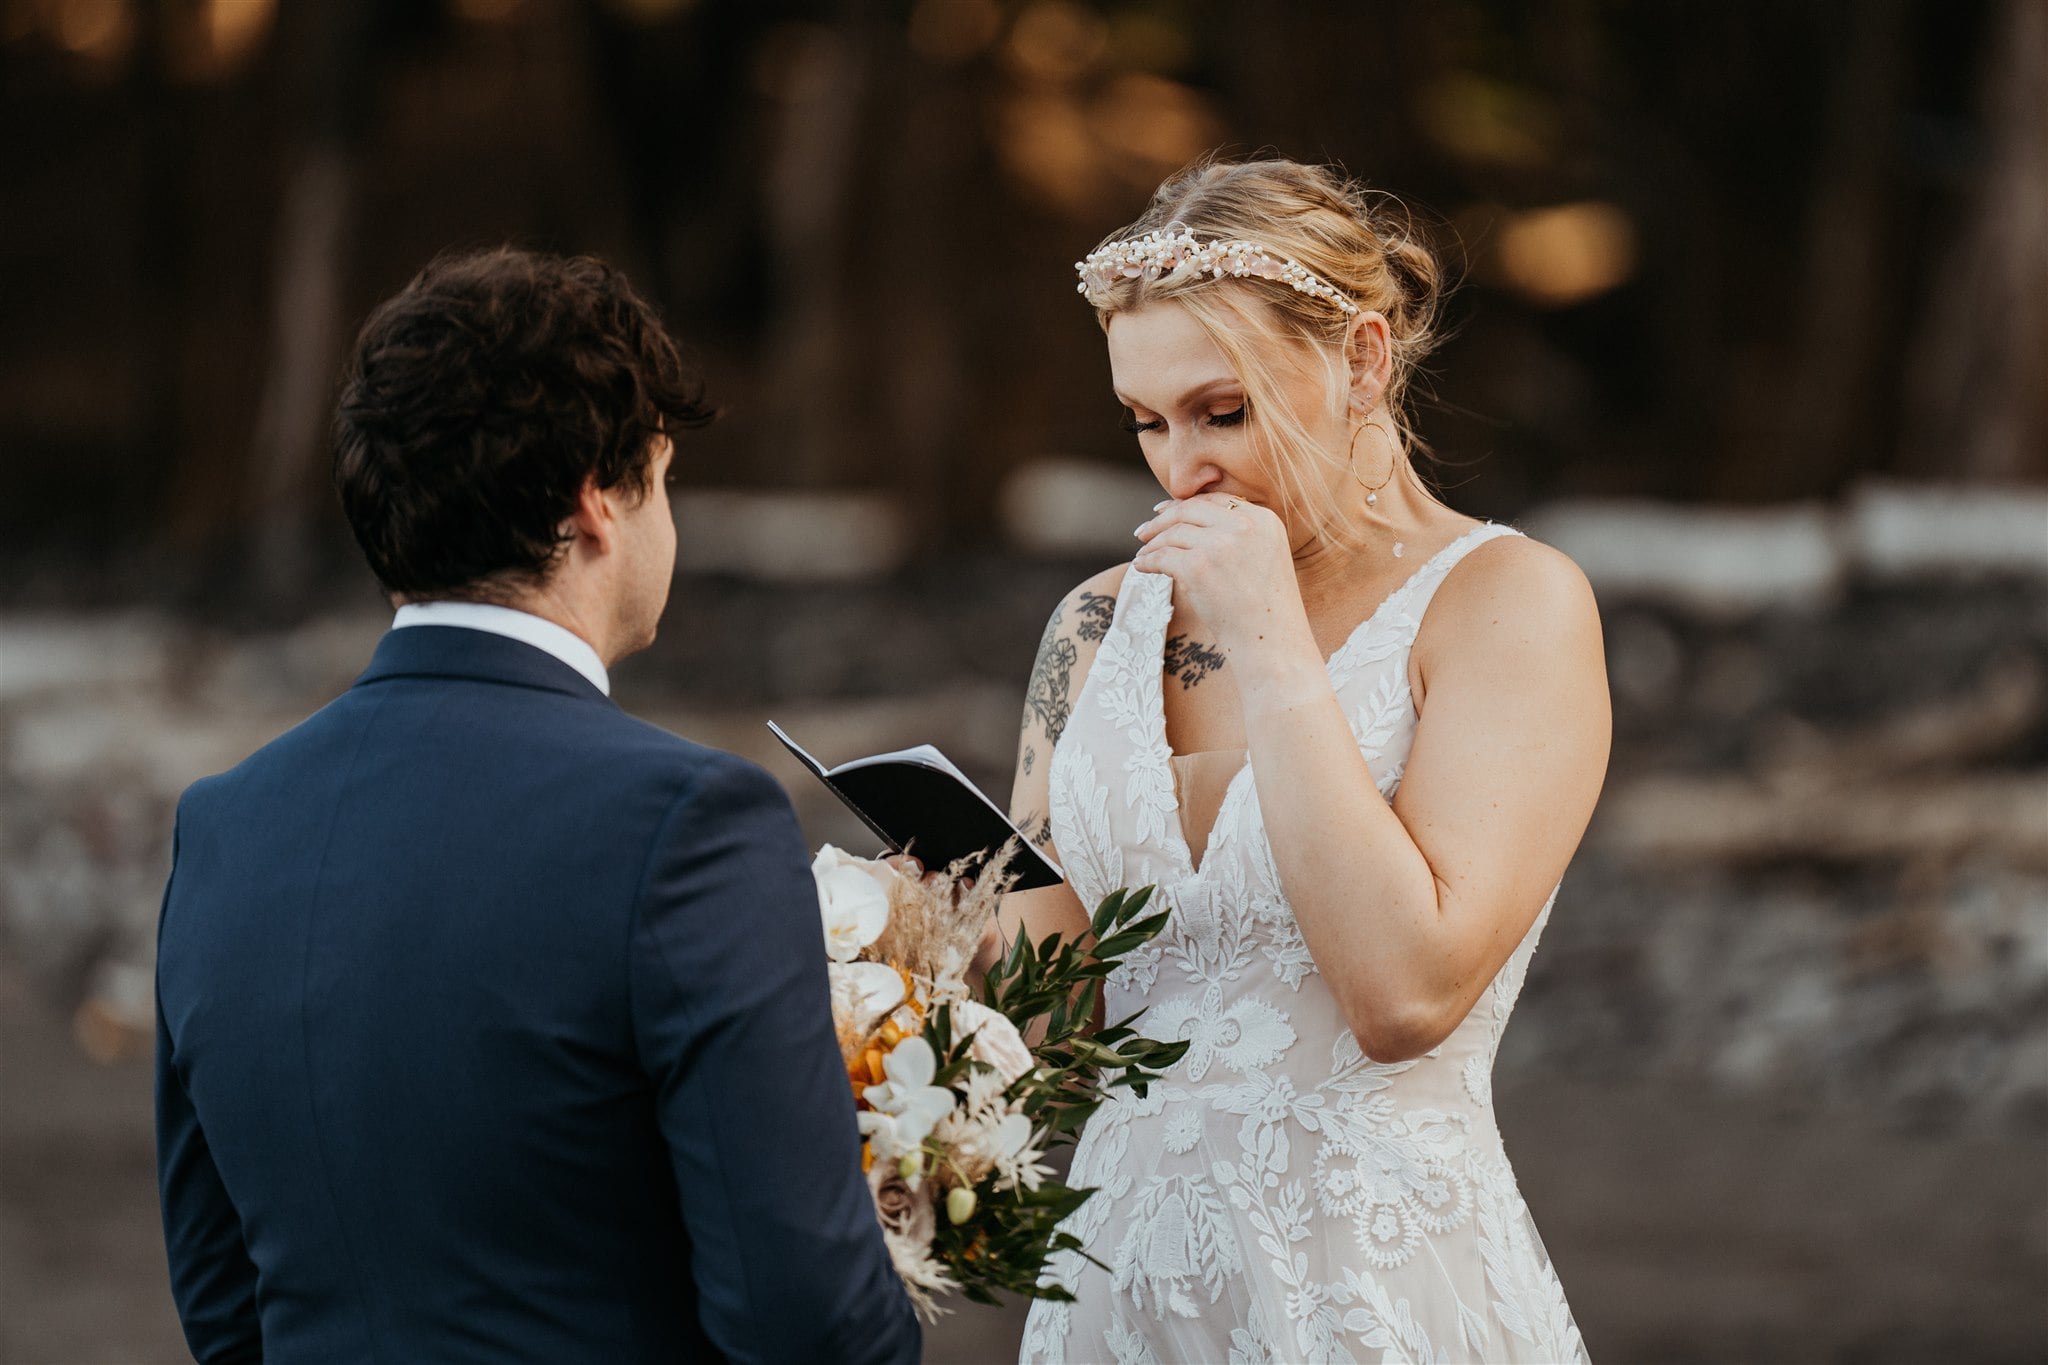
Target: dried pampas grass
{"type": "Point", "coordinates": [934, 928]}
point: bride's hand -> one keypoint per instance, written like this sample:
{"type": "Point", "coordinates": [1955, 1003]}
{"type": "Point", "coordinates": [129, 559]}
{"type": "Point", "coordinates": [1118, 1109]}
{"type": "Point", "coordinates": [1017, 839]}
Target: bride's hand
{"type": "Point", "coordinates": [1231, 567]}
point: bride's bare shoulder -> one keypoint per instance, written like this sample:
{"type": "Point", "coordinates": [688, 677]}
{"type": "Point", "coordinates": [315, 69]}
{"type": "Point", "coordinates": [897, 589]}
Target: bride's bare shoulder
{"type": "Point", "coordinates": [1516, 586]}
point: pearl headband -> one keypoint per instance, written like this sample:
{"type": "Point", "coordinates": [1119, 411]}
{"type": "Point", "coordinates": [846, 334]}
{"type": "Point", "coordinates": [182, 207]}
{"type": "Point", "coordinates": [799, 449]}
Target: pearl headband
{"type": "Point", "coordinates": [1167, 252]}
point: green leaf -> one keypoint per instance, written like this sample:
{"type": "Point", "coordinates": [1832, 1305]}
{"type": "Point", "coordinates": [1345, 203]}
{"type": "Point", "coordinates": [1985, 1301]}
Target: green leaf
{"type": "Point", "coordinates": [1106, 913]}
{"type": "Point", "coordinates": [1135, 902]}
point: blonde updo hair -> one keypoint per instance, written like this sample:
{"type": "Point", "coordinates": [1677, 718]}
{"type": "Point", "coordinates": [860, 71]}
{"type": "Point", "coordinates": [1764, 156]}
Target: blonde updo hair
{"type": "Point", "coordinates": [1364, 243]}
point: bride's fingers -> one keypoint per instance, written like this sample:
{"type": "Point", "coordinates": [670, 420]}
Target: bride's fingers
{"type": "Point", "coordinates": [1191, 513]}
{"type": "Point", "coordinates": [1161, 558]}
{"type": "Point", "coordinates": [1174, 538]}
{"type": "Point", "coordinates": [910, 867]}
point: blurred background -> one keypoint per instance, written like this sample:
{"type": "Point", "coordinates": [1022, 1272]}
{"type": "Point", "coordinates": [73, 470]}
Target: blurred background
{"type": "Point", "coordinates": [1753, 323]}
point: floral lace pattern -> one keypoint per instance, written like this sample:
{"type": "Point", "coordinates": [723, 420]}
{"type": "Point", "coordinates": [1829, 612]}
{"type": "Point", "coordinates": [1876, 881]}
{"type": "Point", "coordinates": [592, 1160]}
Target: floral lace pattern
{"type": "Point", "coordinates": [1279, 1196]}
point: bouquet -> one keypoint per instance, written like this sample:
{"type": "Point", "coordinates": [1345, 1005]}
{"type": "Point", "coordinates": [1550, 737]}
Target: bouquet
{"type": "Point", "coordinates": [957, 1111]}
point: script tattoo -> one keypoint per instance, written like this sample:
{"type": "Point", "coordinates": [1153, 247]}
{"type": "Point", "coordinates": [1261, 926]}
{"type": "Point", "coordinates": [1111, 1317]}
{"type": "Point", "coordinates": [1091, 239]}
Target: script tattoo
{"type": "Point", "coordinates": [1192, 662]}
{"type": "Point", "coordinates": [1037, 828]}
{"type": "Point", "coordinates": [1048, 699]}
{"type": "Point", "coordinates": [1098, 610]}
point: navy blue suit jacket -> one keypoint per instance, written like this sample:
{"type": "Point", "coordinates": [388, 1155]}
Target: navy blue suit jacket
{"type": "Point", "coordinates": [492, 1025]}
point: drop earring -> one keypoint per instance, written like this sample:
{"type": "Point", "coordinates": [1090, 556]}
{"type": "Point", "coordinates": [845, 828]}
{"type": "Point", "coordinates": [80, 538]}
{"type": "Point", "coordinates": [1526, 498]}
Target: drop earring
{"type": "Point", "coordinates": [1372, 491]}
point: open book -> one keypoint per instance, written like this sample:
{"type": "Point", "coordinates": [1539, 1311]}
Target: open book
{"type": "Point", "coordinates": [918, 803]}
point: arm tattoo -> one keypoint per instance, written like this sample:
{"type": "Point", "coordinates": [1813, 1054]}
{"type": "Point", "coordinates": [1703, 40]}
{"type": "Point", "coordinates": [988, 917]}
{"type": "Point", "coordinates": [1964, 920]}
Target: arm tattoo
{"type": "Point", "coordinates": [1052, 679]}
{"type": "Point", "coordinates": [1030, 758]}
{"type": "Point", "coordinates": [1037, 828]}
{"type": "Point", "coordinates": [1098, 610]}
{"type": "Point", "coordinates": [1192, 662]}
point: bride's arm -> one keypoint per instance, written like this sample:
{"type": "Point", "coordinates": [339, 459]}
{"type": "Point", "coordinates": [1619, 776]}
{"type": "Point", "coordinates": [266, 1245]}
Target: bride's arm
{"type": "Point", "coordinates": [1411, 909]}
{"type": "Point", "coordinates": [1065, 653]}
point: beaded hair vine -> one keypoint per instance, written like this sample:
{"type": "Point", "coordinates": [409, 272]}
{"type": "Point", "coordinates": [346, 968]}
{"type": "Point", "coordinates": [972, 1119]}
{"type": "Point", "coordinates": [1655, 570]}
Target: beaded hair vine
{"type": "Point", "coordinates": [1169, 251]}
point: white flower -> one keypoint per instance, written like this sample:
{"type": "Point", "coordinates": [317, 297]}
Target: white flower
{"type": "Point", "coordinates": [984, 1090]}
{"type": "Point", "coordinates": [1012, 1134]}
{"type": "Point", "coordinates": [863, 993]}
{"type": "Point", "coordinates": [907, 1105]}
{"type": "Point", "coordinates": [1017, 1161]}
{"type": "Point", "coordinates": [880, 1131]}
{"type": "Point", "coordinates": [995, 1039]}
{"type": "Point", "coordinates": [853, 899]}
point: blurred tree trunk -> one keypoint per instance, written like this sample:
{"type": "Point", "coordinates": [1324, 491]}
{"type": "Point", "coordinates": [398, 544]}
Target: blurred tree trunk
{"type": "Point", "coordinates": [164, 254]}
{"type": "Point", "coordinates": [926, 231]}
{"type": "Point", "coordinates": [305, 346]}
{"type": "Point", "coordinates": [675, 92]}
{"type": "Point", "coordinates": [1978, 381]}
{"type": "Point", "coordinates": [825, 88]}
{"type": "Point", "coordinates": [329, 53]}
{"type": "Point", "coordinates": [1297, 75]}
{"type": "Point", "coordinates": [1833, 409]}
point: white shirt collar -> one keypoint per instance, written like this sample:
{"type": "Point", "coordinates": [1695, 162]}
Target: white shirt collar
{"type": "Point", "coordinates": [563, 644]}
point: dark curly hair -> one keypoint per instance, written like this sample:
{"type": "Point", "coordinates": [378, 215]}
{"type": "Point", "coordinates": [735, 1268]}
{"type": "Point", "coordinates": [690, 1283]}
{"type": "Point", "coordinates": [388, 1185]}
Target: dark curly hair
{"type": "Point", "coordinates": [479, 399]}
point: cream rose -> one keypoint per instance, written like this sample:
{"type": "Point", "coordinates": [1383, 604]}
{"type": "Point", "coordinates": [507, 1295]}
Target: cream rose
{"type": "Point", "coordinates": [996, 1040]}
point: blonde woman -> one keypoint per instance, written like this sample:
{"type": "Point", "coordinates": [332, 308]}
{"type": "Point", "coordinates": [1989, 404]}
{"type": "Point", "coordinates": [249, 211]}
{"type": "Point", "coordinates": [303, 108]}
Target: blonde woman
{"type": "Point", "coordinates": [1354, 737]}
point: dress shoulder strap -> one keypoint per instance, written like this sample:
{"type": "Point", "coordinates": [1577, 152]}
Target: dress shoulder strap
{"type": "Point", "coordinates": [1392, 628]}
{"type": "Point", "coordinates": [1422, 588]}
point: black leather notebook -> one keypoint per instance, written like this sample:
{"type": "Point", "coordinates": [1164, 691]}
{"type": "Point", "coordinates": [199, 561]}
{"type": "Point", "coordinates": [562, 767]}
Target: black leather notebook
{"type": "Point", "coordinates": [918, 803]}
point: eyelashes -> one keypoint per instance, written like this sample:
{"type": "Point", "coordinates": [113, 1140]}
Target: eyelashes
{"type": "Point", "coordinates": [1220, 419]}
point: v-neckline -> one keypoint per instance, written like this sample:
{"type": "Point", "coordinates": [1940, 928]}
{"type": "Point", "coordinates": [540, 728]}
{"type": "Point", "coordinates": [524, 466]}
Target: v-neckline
{"type": "Point", "coordinates": [1233, 796]}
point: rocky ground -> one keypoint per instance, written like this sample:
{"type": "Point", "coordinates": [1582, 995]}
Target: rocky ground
{"type": "Point", "coordinates": [1778, 1089]}
{"type": "Point", "coordinates": [1689, 1225]}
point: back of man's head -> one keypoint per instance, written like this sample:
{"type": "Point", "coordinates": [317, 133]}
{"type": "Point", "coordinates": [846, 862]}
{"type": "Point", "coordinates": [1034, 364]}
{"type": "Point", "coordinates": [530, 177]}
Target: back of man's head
{"type": "Point", "coordinates": [479, 401]}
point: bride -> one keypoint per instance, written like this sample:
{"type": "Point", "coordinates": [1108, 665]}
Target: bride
{"type": "Point", "coordinates": [1354, 737]}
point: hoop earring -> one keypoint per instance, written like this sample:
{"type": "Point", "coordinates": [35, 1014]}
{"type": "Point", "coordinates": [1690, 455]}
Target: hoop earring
{"type": "Point", "coordinates": [1372, 491]}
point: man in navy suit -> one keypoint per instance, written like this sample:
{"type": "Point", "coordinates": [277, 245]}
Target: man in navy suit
{"type": "Point", "coordinates": [492, 1023]}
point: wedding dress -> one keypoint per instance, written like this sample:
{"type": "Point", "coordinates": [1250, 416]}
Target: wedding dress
{"type": "Point", "coordinates": [1276, 1196]}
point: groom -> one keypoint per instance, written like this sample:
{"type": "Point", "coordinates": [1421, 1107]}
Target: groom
{"type": "Point", "coordinates": [492, 1023]}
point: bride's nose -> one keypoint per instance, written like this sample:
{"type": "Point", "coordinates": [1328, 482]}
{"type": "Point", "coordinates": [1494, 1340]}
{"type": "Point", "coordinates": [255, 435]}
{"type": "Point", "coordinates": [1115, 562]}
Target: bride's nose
{"type": "Point", "coordinates": [1190, 472]}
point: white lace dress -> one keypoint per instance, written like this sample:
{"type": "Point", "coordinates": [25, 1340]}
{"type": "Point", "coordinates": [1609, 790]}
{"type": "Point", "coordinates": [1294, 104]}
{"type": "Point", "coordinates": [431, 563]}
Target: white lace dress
{"type": "Point", "coordinates": [1277, 1197]}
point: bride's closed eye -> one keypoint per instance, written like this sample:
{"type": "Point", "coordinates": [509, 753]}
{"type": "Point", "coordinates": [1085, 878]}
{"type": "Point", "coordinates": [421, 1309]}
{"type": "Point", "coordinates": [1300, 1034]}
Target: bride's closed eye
{"type": "Point", "coordinates": [1215, 419]}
